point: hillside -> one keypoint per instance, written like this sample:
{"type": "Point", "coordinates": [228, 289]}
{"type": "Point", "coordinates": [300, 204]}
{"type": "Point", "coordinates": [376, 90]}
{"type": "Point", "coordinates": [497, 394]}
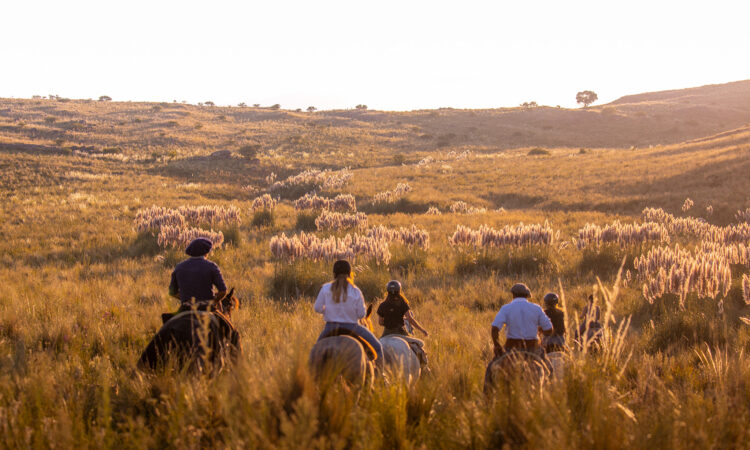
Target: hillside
{"type": "Point", "coordinates": [172, 130]}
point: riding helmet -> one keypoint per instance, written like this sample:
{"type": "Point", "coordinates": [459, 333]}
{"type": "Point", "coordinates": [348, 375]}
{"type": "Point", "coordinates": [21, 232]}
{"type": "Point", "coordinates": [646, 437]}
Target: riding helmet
{"type": "Point", "coordinates": [393, 287]}
{"type": "Point", "coordinates": [520, 290]}
{"type": "Point", "coordinates": [342, 267]}
{"type": "Point", "coordinates": [551, 299]}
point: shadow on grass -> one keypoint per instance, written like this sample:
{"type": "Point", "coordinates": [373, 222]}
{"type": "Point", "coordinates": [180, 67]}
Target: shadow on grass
{"type": "Point", "coordinates": [403, 205]}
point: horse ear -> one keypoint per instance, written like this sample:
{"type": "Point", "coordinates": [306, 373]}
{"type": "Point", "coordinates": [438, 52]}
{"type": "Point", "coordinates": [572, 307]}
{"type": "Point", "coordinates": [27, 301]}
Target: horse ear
{"type": "Point", "coordinates": [369, 311]}
{"type": "Point", "coordinates": [231, 293]}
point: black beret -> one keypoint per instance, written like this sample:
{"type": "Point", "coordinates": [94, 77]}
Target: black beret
{"type": "Point", "coordinates": [199, 247]}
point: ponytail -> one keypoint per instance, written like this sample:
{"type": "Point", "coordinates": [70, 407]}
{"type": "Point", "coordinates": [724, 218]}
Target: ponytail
{"type": "Point", "coordinates": [339, 286]}
{"type": "Point", "coordinates": [396, 296]}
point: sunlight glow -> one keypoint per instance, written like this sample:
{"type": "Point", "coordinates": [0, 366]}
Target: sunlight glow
{"type": "Point", "coordinates": [389, 55]}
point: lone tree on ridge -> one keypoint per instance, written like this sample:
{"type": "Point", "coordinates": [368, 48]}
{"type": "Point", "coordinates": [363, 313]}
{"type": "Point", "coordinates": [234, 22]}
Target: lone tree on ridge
{"type": "Point", "coordinates": [586, 98]}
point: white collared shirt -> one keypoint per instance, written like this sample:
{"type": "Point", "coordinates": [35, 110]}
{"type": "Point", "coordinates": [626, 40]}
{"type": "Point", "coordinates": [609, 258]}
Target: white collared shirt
{"type": "Point", "coordinates": [523, 319]}
{"type": "Point", "coordinates": [350, 309]}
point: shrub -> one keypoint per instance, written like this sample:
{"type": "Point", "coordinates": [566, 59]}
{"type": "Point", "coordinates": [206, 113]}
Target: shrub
{"type": "Point", "coordinates": [408, 260]}
{"type": "Point", "coordinates": [232, 236]}
{"type": "Point", "coordinates": [249, 151]}
{"type": "Point", "coordinates": [298, 279]}
{"type": "Point", "coordinates": [538, 151]}
{"type": "Point", "coordinates": [603, 262]}
{"type": "Point", "coordinates": [306, 222]}
{"type": "Point", "coordinates": [262, 218]}
{"type": "Point", "coordinates": [524, 261]}
{"type": "Point", "coordinates": [372, 282]}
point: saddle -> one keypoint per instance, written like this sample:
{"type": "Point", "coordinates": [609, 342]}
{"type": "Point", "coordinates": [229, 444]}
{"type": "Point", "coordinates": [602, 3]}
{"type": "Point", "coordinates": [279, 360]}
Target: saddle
{"type": "Point", "coordinates": [416, 345]}
{"type": "Point", "coordinates": [204, 306]}
{"type": "Point", "coordinates": [369, 350]}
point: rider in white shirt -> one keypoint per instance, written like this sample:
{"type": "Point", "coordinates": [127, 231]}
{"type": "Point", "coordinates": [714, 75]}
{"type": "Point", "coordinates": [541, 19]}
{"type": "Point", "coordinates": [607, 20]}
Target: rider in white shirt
{"type": "Point", "coordinates": [342, 305]}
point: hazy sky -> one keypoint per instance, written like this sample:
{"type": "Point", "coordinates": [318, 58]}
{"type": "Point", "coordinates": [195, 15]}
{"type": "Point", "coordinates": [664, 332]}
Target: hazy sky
{"type": "Point", "coordinates": [394, 55]}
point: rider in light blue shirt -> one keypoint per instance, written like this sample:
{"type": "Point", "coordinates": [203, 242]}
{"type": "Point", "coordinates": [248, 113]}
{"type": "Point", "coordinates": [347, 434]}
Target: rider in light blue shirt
{"type": "Point", "coordinates": [522, 320]}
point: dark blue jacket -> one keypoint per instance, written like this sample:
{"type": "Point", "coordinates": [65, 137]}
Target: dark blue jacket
{"type": "Point", "coordinates": [194, 278]}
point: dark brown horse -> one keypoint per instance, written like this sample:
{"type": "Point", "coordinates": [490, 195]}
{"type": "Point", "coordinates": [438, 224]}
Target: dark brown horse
{"type": "Point", "coordinates": [199, 336]}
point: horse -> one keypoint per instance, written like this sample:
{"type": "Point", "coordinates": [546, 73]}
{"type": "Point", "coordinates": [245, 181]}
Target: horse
{"type": "Point", "coordinates": [199, 336]}
{"type": "Point", "coordinates": [527, 365]}
{"type": "Point", "coordinates": [400, 359]}
{"type": "Point", "coordinates": [344, 355]}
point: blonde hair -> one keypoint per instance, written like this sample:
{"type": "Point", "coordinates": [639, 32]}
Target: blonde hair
{"type": "Point", "coordinates": [339, 286]}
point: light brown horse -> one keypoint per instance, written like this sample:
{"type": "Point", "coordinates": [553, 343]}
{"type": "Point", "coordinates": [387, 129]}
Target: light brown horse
{"type": "Point", "coordinates": [199, 336]}
{"type": "Point", "coordinates": [344, 356]}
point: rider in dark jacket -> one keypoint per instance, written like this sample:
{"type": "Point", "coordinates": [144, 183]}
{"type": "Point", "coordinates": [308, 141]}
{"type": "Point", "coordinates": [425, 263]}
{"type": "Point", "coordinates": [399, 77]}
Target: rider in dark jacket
{"type": "Point", "coordinates": [195, 278]}
{"type": "Point", "coordinates": [556, 341]}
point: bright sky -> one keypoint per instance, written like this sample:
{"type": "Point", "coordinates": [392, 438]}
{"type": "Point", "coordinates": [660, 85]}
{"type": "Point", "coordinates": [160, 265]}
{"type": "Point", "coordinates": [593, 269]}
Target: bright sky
{"type": "Point", "coordinates": [391, 55]}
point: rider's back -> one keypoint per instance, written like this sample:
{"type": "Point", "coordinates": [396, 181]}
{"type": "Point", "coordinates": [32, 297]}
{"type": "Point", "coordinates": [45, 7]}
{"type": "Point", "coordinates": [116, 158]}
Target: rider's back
{"type": "Point", "coordinates": [522, 318]}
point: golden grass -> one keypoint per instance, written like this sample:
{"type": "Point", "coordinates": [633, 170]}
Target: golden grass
{"type": "Point", "coordinates": [83, 290]}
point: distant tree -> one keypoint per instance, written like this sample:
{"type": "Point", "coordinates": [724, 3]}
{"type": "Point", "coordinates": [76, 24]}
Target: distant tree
{"type": "Point", "coordinates": [361, 107]}
{"type": "Point", "coordinates": [256, 105]}
{"type": "Point", "coordinates": [586, 98]}
{"type": "Point", "coordinates": [529, 105]}
{"type": "Point", "coordinates": [311, 109]}
{"type": "Point", "coordinates": [209, 103]}
{"type": "Point", "coordinates": [275, 106]}
{"type": "Point", "coordinates": [36, 97]}
{"type": "Point", "coordinates": [241, 105]}
{"type": "Point", "coordinates": [298, 110]}
{"type": "Point", "coordinates": [105, 98]}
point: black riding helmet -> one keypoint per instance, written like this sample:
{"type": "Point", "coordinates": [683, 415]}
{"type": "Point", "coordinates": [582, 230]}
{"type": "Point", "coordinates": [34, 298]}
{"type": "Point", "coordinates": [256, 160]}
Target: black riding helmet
{"type": "Point", "coordinates": [551, 299]}
{"type": "Point", "coordinates": [342, 267]}
{"type": "Point", "coordinates": [393, 287]}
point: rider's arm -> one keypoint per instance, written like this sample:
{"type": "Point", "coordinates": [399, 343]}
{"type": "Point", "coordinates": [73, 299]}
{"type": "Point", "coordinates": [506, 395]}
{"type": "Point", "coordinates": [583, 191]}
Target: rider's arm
{"type": "Point", "coordinates": [360, 304]}
{"type": "Point", "coordinates": [496, 337]}
{"type": "Point", "coordinates": [413, 321]}
{"type": "Point", "coordinates": [218, 281]}
{"type": "Point", "coordinates": [498, 325]}
{"type": "Point", "coordinates": [545, 325]}
{"type": "Point", "coordinates": [174, 290]}
{"type": "Point", "coordinates": [320, 302]}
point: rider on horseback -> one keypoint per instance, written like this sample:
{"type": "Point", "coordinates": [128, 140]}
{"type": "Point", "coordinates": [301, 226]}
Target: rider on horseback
{"type": "Point", "coordinates": [342, 305]}
{"type": "Point", "coordinates": [556, 341]}
{"type": "Point", "coordinates": [194, 278]}
{"type": "Point", "coordinates": [523, 320]}
{"type": "Point", "coordinates": [395, 311]}
{"type": "Point", "coordinates": [395, 315]}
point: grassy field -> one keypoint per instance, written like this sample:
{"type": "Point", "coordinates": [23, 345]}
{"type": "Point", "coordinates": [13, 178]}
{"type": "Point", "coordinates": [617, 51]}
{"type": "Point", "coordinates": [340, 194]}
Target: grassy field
{"type": "Point", "coordinates": [83, 290]}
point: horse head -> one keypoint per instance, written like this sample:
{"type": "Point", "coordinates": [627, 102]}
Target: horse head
{"type": "Point", "coordinates": [366, 321]}
{"type": "Point", "coordinates": [227, 303]}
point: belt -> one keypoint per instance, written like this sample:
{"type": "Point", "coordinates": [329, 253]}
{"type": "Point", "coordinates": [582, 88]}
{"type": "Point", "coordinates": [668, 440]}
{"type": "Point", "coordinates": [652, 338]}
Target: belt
{"type": "Point", "coordinates": [521, 343]}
